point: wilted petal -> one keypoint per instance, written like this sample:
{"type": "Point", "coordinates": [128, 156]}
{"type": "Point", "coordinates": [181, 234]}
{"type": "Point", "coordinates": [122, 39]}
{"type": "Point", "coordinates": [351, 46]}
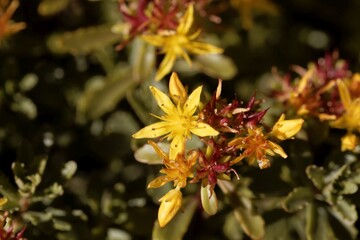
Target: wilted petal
{"type": "Point", "coordinates": [170, 205]}
{"type": "Point", "coordinates": [152, 131]}
{"type": "Point", "coordinates": [163, 101]}
{"type": "Point", "coordinates": [204, 130]}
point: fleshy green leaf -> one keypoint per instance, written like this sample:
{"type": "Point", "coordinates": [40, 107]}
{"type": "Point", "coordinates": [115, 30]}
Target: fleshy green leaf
{"type": "Point", "coordinates": [51, 7]}
{"type": "Point", "coordinates": [252, 224]}
{"type": "Point", "coordinates": [317, 223]}
{"type": "Point", "coordinates": [297, 199]}
{"type": "Point", "coordinates": [346, 210]}
{"type": "Point", "coordinates": [209, 200]}
{"type": "Point", "coordinates": [231, 228]}
{"type": "Point", "coordinates": [83, 41]}
{"type": "Point", "coordinates": [316, 175]}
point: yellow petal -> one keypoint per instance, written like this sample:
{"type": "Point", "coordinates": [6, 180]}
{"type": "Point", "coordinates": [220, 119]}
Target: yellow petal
{"type": "Point", "coordinates": [186, 21]}
{"type": "Point", "coordinates": [155, 40]}
{"type": "Point", "coordinates": [159, 151]}
{"type": "Point", "coordinates": [159, 181]}
{"type": "Point", "coordinates": [204, 130]}
{"type": "Point", "coordinates": [349, 142]}
{"type": "Point", "coordinates": [344, 93]}
{"type": "Point", "coordinates": [170, 205]}
{"type": "Point", "coordinates": [304, 80]}
{"type": "Point", "coordinates": [163, 101]}
{"type": "Point", "coordinates": [201, 48]}
{"type": "Point", "coordinates": [192, 103]}
{"type": "Point", "coordinates": [177, 146]}
{"type": "Point", "coordinates": [277, 149]}
{"type": "Point", "coordinates": [284, 129]}
{"type": "Point", "coordinates": [166, 65]}
{"type": "Point", "coordinates": [178, 92]}
{"type": "Point", "coordinates": [152, 131]}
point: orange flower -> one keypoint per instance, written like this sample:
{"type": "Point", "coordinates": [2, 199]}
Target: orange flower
{"type": "Point", "coordinates": [7, 27]}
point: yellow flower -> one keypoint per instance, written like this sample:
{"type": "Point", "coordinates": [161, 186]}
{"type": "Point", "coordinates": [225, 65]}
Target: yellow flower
{"type": "Point", "coordinates": [170, 205]}
{"type": "Point", "coordinates": [350, 119]}
{"type": "Point", "coordinates": [255, 147]}
{"type": "Point", "coordinates": [179, 121]}
{"type": "Point", "coordinates": [178, 43]}
{"type": "Point", "coordinates": [177, 170]}
{"type": "Point", "coordinates": [284, 129]}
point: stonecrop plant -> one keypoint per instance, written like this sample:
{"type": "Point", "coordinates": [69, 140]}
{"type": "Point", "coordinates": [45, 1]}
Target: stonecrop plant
{"type": "Point", "coordinates": [178, 119]}
{"type": "Point", "coordinates": [230, 132]}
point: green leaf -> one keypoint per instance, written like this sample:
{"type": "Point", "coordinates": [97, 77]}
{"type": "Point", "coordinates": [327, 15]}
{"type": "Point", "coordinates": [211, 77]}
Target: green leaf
{"type": "Point", "coordinates": [316, 175]}
{"type": "Point", "coordinates": [346, 210]}
{"type": "Point", "coordinates": [348, 187]}
{"type": "Point", "coordinates": [146, 154]}
{"type": "Point", "coordinates": [209, 200]}
{"type": "Point", "coordinates": [334, 175]}
{"type": "Point", "coordinates": [216, 66]}
{"type": "Point", "coordinates": [231, 228]}
{"type": "Point", "coordinates": [83, 41]}
{"type": "Point", "coordinates": [252, 224]}
{"type": "Point", "coordinates": [177, 227]}
{"type": "Point", "coordinates": [317, 223]}
{"type": "Point", "coordinates": [101, 96]}
{"type": "Point", "coordinates": [297, 199]}
{"type": "Point", "coordinates": [142, 60]}
{"type": "Point", "coordinates": [51, 7]}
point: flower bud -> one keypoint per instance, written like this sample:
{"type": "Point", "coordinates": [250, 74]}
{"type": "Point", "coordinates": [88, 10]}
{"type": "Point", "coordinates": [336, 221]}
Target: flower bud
{"type": "Point", "coordinates": [284, 129]}
{"type": "Point", "coordinates": [170, 204]}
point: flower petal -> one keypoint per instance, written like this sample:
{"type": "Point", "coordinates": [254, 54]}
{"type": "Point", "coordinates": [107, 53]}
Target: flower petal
{"type": "Point", "coordinates": [203, 48]}
{"type": "Point", "coordinates": [177, 146]}
{"type": "Point", "coordinates": [170, 205]}
{"type": "Point", "coordinates": [344, 94]}
{"type": "Point", "coordinates": [186, 21]}
{"type": "Point", "coordinates": [277, 149]}
{"type": "Point", "coordinates": [166, 65]}
{"type": "Point", "coordinates": [155, 40]}
{"type": "Point", "coordinates": [152, 131]}
{"type": "Point", "coordinates": [204, 130]}
{"type": "Point", "coordinates": [178, 92]}
{"type": "Point", "coordinates": [159, 181]}
{"type": "Point", "coordinates": [163, 101]}
{"type": "Point", "coordinates": [192, 102]}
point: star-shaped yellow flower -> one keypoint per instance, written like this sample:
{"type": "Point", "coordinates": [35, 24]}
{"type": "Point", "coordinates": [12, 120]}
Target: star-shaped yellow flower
{"type": "Point", "coordinates": [179, 120]}
{"type": "Point", "coordinates": [350, 120]}
{"type": "Point", "coordinates": [178, 43]}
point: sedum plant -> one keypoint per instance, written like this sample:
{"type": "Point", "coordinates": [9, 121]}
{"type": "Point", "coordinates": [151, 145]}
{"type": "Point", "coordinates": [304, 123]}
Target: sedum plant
{"type": "Point", "coordinates": [176, 119]}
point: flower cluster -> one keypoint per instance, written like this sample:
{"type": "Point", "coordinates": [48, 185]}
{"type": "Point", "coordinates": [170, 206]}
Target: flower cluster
{"type": "Point", "coordinates": [167, 26]}
{"type": "Point", "coordinates": [329, 91]}
{"type": "Point", "coordinates": [230, 131]}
